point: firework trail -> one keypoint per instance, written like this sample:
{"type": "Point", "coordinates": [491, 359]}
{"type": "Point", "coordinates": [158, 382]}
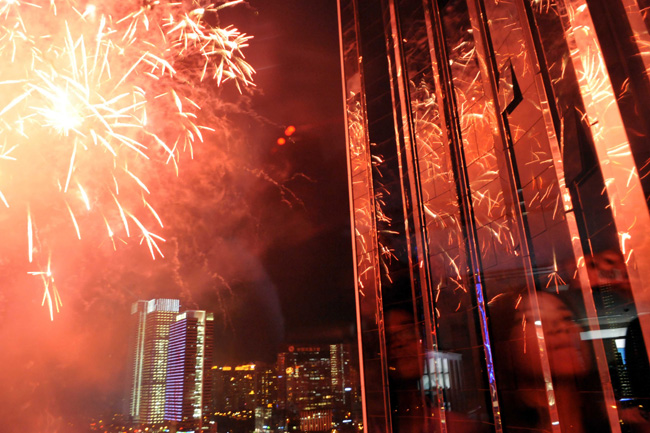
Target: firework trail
{"type": "Point", "coordinates": [92, 98]}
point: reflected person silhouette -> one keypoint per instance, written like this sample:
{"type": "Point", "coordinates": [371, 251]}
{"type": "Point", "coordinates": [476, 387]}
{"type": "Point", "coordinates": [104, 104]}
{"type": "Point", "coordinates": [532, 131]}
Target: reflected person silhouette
{"type": "Point", "coordinates": [571, 362]}
{"type": "Point", "coordinates": [626, 354]}
{"type": "Point", "coordinates": [523, 390]}
{"type": "Point", "coordinates": [413, 405]}
{"type": "Point", "coordinates": [411, 409]}
{"type": "Point", "coordinates": [569, 355]}
{"type": "Point", "coordinates": [404, 346]}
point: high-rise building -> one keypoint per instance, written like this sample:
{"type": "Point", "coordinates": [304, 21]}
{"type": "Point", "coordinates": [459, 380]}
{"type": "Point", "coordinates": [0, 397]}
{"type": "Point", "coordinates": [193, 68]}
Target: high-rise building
{"type": "Point", "coordinates": [499, 172]}
{"type": "Point", "coordinates": [244, 397]}
{"type": "Point", "coordinates": [236, 389]}
{"type": "Point", "coordinates": [189, 360]}
{"type": "Point", "coordinates": [315, 386]}
{"type": "Point", "coordinates": [344, 377]}
{"type": "Point", "coordinates": [149, 343]}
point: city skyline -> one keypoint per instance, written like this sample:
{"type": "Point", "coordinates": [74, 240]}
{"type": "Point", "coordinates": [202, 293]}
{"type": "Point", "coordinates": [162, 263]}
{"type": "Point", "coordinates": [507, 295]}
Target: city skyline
{"type": "Point", "coordinates": [269, 265]}
{"type": "Point", "coordinates": [176, 385]}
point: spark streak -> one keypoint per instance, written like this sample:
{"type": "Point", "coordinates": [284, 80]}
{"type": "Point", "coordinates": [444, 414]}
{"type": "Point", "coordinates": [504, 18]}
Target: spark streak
{"type": "Point", "coordinates": [99, 96]}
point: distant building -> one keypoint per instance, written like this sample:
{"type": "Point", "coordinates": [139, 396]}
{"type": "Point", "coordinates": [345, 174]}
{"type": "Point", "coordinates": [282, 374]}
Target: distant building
{"type": "Point", "coordinates": [267, 393]}
{"type": "Point", "coordinates": [149, 343]}
{"type": "Point", "coordinates": [189, 358]}
{"type": "Point", "coordinates": [244, 396]}
{"type": "Point", "coordinates": [235, 388]}
{"type": "Point", "coordinates": [315, 387]}
{"type": "Point", "coordinates": [264, 419]}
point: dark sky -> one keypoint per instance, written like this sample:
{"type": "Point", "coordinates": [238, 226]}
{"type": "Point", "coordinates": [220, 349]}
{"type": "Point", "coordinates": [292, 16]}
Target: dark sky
{"type": "Point", "coordinates": [256, 232]}
{"type": "Point", "coordinates": [295, 51]}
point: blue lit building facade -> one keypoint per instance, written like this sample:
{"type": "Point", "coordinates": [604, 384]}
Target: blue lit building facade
{"type": "Point", "coordinates": [188, 394]}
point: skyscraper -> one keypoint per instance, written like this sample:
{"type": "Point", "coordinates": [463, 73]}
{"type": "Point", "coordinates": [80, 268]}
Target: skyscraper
{"type": "Point", "coordinates": [189, 361]}
{"type": "Point", "coordinates": [149, 343]}
{"type": "Point", "coordinates": [236, 389]}
{"type": "Point", "coordinates": [315, 386]}
{"type": "Point", "coordinates": [244, 397]}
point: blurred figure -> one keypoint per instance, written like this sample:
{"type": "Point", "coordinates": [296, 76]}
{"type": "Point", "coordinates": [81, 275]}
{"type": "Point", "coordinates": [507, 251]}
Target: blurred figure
{"type": "Point", "coordinates": [525, 401]}
{"type": "Point", "coordinates": [412, 410]}
{"type": "Point", "coordinates": [414, 406]}
{"type": "Point", "coordinates": [607, 268]}
{"type": "Point", "coordinates": [571, 361]}
{"type": "Point", "coordinates": [569, 355]}
{"type": "Point", "coordinates": [404, 345]}
{"type": "Point", "coordinates": [577, 389]}
{"type": "Point", "coordinates": [626, 357]}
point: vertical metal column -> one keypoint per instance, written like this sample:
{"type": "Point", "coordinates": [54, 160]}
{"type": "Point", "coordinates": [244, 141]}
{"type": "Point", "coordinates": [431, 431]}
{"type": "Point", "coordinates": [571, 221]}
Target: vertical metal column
{"type": "Point", "coordinates": [443, 75]}
{"type": "Point", "coordinates": [489, 73]}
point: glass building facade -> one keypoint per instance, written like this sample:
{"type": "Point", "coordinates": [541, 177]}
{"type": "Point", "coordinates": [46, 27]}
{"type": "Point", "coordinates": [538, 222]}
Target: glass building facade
{"type": "Point", "coordinates": [150, 321]}
{"type": "Point", "coordinates": [188, 389]}
{"type": "Point", "coordinates": [499, 169]}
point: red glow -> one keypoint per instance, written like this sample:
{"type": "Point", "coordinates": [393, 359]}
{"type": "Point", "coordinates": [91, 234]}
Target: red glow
{"type": "Point", "coordinates": [281, 141]}
{"type": "Point", "coordinates": [290, 130]}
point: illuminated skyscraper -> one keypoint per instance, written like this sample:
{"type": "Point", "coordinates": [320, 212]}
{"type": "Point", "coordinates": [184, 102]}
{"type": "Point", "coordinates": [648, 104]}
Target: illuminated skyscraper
{"type": "Point", "coordinates": [189, 360]}
{"type": "Point", "coordinates": [151, 320]}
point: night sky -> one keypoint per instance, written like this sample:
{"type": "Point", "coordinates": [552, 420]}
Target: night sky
{"type": "Point", "coordinates": [296, 53]}
{"type": "Point", "coordinates": [256, 232]}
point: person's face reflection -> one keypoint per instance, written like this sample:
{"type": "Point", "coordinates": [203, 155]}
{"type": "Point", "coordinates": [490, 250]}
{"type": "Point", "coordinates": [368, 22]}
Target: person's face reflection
{"type": "Point", "coordinates": [566, 351]}
{"type": "Point", "coordinates": [607, 267]}
{"type": "Point", "coordinates": [404, 346]}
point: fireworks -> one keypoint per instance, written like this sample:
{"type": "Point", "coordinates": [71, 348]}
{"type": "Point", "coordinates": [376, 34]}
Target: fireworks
{"type": "Point", "coordinates": [91, 98]}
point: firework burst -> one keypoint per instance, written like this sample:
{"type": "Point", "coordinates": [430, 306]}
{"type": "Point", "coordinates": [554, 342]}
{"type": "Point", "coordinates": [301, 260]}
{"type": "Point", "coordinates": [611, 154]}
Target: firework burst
{"type": "Point", "coordinates": [91, 98]}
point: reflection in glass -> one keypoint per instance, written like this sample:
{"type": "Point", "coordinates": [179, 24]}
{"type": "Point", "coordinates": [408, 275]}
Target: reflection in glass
{"type": "Point", "coordinates": [501, 218]}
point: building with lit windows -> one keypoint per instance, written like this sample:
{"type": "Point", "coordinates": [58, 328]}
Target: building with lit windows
{"type": "Point", "coordinates": [244, 397]}
{"type": "Point", "coordinates": [149, 344]}
{"type": "Point", "coordinates": [499, 168]}
{"type": "Point", "coordinates": [189, 359]}
{"type": "Point", "coordinates": [316, 390]}
{"type": "Point", "coordinates": [236, 389]}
